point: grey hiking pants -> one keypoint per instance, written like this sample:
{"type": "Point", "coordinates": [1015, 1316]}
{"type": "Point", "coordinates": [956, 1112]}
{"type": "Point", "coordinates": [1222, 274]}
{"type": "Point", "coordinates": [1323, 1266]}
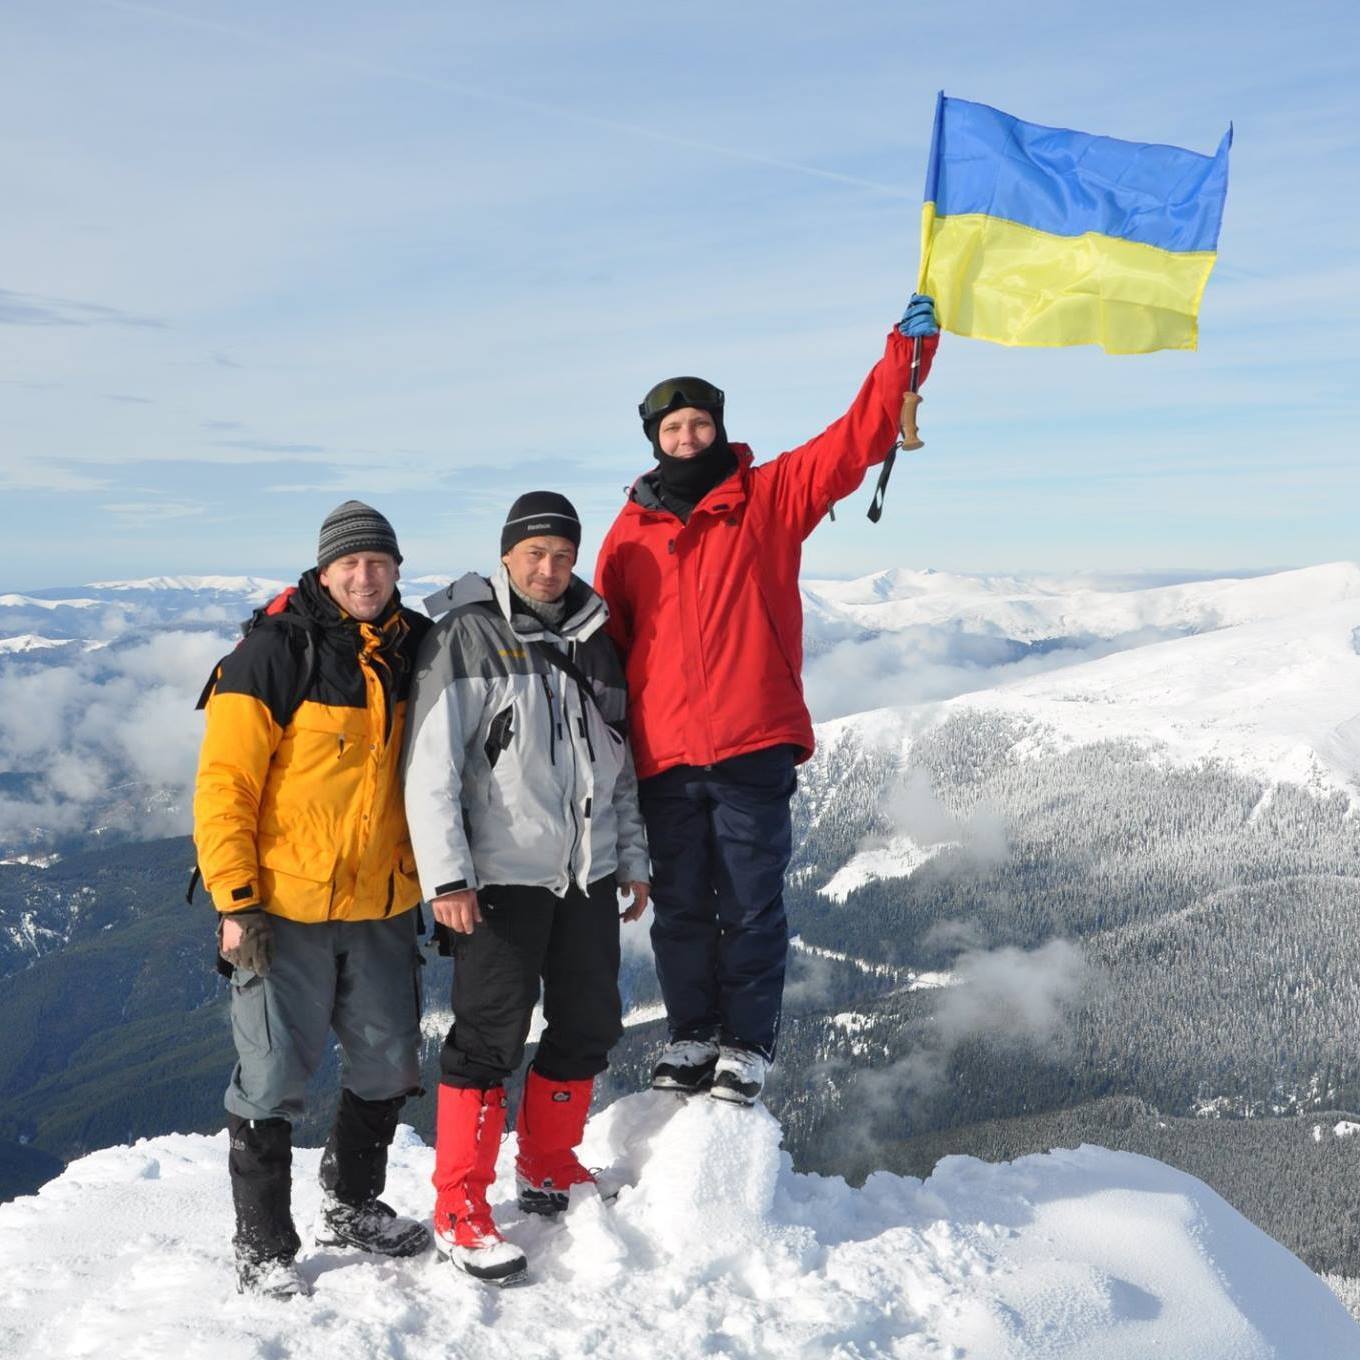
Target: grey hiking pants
{"type": "Point", "coordinates": [358, 978]}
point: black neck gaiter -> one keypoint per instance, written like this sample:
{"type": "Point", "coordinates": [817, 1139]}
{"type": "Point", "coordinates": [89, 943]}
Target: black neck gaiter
{"type": "Point", "coordinates": [686, 481]}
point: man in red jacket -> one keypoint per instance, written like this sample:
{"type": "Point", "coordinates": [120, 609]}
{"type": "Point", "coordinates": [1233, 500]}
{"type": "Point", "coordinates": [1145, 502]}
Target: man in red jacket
{"type": "Point", "coordinates": [700, 571]}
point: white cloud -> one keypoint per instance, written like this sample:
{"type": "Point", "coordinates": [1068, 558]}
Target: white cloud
{"type": "Point", "coordinates": [110, 738]}
{"type": "Point", "coordinates": [912, 810]}
{"type": "Point", "coordinates": [926, 664]}
{"type": "Point", "coordinates": [1011, 998]}
{"type": "Point", "coordinates": [133, 513]}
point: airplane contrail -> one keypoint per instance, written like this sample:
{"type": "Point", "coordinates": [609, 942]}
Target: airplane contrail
{"type": "Point", "coordinates": [507, 100]}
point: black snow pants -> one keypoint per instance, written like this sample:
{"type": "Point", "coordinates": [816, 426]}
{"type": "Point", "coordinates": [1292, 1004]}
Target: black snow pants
{"type": "Point", "coordinates": [527, 933]}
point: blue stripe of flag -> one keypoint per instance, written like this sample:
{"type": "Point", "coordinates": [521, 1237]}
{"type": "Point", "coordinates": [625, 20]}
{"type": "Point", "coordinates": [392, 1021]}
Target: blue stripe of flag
{"type": "Point", "coordinates": [1068, 183]}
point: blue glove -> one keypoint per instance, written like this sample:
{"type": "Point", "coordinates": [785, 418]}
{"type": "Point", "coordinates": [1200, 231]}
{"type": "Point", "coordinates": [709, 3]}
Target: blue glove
{"type": "Point", "coordinates": [919, 318]}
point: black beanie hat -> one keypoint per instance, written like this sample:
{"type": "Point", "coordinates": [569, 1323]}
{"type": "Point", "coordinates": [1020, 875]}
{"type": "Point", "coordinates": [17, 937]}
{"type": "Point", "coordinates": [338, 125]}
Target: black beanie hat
{"type": "Point", "coordinates": [540, 512]}
{"type": "Point", "coordinates": [354, 527]}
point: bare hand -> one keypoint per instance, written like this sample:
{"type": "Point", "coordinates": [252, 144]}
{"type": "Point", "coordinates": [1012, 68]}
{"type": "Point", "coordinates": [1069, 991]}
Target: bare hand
{"type": "Point", "coordinates": [231, 934]}
{"type": "Point", "coordinates": [458, 910]}
{"type": "Point", "coordinates": [641, 893]}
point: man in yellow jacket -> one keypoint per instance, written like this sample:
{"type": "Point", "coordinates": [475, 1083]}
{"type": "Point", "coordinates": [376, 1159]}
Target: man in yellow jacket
{"type": "Point", "coordinates": [302, 842]}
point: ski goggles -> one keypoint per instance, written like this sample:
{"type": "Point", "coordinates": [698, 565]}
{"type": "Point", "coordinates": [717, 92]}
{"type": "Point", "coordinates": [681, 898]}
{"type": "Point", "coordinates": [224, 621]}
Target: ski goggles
{"type": "Point", "coordinates": [674, 393]}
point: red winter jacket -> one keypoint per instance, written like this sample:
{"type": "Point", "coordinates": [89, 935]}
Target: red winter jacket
{"type": "Point", "coordinates": [707, 613]}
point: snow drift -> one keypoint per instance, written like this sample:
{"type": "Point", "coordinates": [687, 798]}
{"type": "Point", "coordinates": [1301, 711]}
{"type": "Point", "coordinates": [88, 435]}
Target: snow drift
{"type": "Point", "coordinates": [714, 1247]}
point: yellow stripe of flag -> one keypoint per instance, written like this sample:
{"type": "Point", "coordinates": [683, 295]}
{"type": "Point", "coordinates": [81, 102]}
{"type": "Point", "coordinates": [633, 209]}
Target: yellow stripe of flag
{"type": "Point", "coordinates": [998, 280]}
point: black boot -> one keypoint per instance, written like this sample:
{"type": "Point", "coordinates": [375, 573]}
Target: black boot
{"type": "Point", "coordinates": [353, 1173]}
{"type": "Point", "coordinates": [261, 1166]}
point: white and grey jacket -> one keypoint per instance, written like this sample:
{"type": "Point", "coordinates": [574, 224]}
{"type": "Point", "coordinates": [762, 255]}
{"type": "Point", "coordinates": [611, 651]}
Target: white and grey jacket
{"type": "Point", "coordinates": [513, 774]}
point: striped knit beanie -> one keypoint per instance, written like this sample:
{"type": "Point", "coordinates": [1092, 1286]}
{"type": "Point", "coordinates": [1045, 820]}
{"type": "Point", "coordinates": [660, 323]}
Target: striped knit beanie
{"type": "Point", "coordinates": [351, 528]}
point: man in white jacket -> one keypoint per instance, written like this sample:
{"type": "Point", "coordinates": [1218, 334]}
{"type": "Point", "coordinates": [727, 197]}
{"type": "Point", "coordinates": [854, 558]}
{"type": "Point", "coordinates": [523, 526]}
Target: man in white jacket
{"type": "Point", "coordinates": [522, 804]}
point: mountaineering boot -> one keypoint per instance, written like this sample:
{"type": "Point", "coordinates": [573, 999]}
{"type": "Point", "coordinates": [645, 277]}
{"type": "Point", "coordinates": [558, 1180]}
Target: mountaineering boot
{"type": "Point", "coordinates": [371, 1226]}
{"type": "Point", "coordinates": [685, 1065]}
{"type": "Point", "coordinates": [739, 1075]}
{"type": "Point", "coordinates": [353, 1173]}
{"type": "Point", "coordinates": [270, 1279]}
{"type": "Point", "coordinates": [552, 1118]}
{"type": "Point", "coordinates": [260, 1162]}
{"type": "Point", "coordinates": [468, 1127]}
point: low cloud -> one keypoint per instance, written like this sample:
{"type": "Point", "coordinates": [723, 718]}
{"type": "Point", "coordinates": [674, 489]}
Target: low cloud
{"type": "Point", "coordinates": [1013, 999]}
{"type": "Point", "coordinates": [853, 673]}
{"type": "Point", "coordinates": [1016, 997]}
{"type": "Point", "coordinates": [109, 739]}
{"type": "Point", "coordinates": [811, 982]}
{"type": "Point", "coordinates": [912, 810]}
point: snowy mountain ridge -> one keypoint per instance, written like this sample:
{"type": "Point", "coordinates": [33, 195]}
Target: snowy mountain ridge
{"type": "Point", "coordinates": [714, 1247]}
{"type": "Point", "coordinates": [1279, 699]}
{"type": "Point", "coordinates": [250, 587]}
{"type": "Point", "coordinates": [1033, 609]}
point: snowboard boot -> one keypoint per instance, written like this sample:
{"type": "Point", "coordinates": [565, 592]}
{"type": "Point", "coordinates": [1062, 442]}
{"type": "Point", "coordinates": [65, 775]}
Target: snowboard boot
{"type": "Point", "coordinates": [468, 1129]}
{"type": "Point", "coordinates": [552, 1118]}
{"type": "Point", "coordinates": [260, 1162]}
{"type": "Point", "coordinates": [353, 1173]}
{"type": "Point", "coordinates": [685, 1065]}
{"type": "Point", "coordinates": [739, 1075]}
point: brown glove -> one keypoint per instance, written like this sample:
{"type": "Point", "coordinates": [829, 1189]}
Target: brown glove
{"type": "Point", "coordinates": [255, 948]}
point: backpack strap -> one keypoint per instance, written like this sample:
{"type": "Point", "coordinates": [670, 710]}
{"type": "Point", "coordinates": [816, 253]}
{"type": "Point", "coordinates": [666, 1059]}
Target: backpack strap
{"type": "Point", "coordinates": [584, 683]}
{"type": "Point", "coordinates": [568, 667]}
{"type": "Point", "coordinates": [271, 615]}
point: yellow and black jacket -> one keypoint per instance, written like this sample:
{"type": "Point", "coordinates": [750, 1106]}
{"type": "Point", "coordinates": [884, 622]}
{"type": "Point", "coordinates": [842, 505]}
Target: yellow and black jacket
{"type": "Point", "coordinates": [298, 805]}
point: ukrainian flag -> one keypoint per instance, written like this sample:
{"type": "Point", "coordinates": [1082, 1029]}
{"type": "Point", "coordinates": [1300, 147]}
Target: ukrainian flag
{"type": "Point", "coordinates": [1039, 236]}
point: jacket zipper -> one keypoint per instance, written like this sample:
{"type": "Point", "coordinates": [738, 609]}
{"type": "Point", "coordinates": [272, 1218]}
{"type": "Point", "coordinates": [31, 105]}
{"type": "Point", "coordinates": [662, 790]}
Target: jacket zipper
{"type": "Point", "coordinates": [585, 725]}
{"type": "Point", "coordinates": [554, 727]}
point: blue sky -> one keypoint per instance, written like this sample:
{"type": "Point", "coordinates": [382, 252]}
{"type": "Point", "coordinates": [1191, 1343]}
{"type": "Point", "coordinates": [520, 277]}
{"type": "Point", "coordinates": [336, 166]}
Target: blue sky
{"type": "Point", "coordinates": [256, 259]}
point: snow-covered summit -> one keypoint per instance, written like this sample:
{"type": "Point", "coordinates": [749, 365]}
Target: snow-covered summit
{"type": "Point", "coordinates": [715, 1247]}
{"type": "Point", "coordinates": [12, 601]}
{"type": "Point", "coordinates": [33, 642]}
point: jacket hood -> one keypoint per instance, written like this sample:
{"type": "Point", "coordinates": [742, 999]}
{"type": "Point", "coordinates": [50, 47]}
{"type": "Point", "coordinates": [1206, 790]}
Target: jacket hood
{"type": "Point", "coordinates": [586, 611]}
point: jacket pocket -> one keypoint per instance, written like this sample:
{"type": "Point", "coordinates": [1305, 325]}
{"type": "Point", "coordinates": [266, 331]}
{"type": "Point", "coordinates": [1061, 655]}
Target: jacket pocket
{"type": "Point", "coordinates": [288, 855]}
{"type": "Point", "coordinates": [405, 883]}
{"type": "Point", "coordinates": [297, 879]}
{"type": "Point", "coordinates": [500, 734]}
